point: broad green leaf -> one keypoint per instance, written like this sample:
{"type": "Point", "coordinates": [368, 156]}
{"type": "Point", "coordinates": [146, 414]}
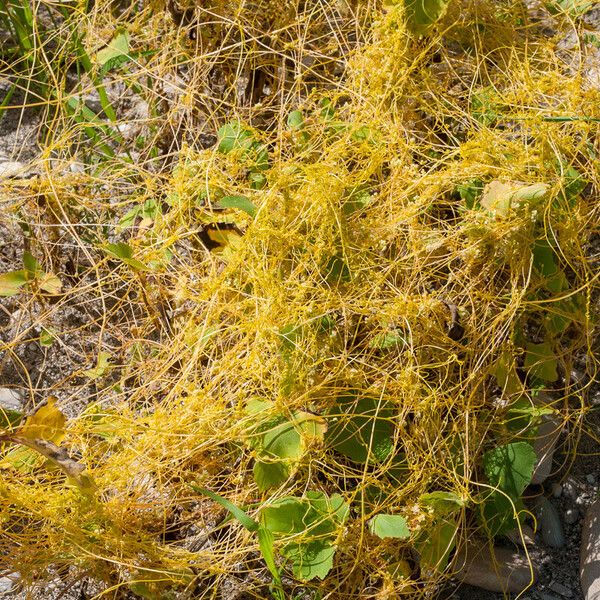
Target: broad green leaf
{"type": "Point", "coordinates": [522, 414]}
{"type": "Point", "coordinates": [311, 525]}
{"type": "Point", "coordinates": [442, 503]}
{"type": "Point", "coordinates": [240, 202]}
{"type": "Point", "coordinates": [560, 314]}
{"type": "Point", "coordinates": [572, 8]}
{"type": "Point", "coordinates": [356, 199]}
{"type": "Point", "coordinates": [147, 212]}
{"type": "Point", "coordinates": [279, 441]}
{"type": "Point", "coordinates": [233, 136]}
{"type": "Point", "coordinates": [102, 367]}
{"type": "Point", "coordinates": [115, 53]}
{"type": "Point", "coordinates": [541, 362]}
{"type": "Point", "coordinates": [435, 544]}
{"type": "Point", "coordinates": [12, 282]}
{"type": "Point", "coordinates": [573, 184]}
{"type": "Point", "coordinates": [361, 429]}
{"type": "Point", "coordinates": [295, 120]}
{"type": "Point", "coordinates": [336, 270]}
{"type": "Point", "coordinates": [500, 513]}
{"type": "Point", "coordinates": [389, 526]}
{"type": "Point", "coordinates": [270, 474]}
{"type": "Point", "coordinates": [544, 259]}
{"type": "Point", "coordinates": [422, 14]}
{"type": "Point", "coordinates": [510, 467]}
{"type": "Point", "coordinates": [310, 559]}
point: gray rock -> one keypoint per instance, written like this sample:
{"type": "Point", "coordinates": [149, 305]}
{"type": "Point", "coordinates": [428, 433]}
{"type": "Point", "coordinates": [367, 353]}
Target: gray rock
{"type": "Point", "coordinates": [11, 168]}
{"type": "Point", "coordinates": [590, 478]}
{"type": "Point", "coordinates": [589, 562]}
{"type": "Point", "coordinates": [493, 569]}
{"type": "Point", "coordinates": [549, 523]}
{"type": "Point", "coordinates": [6, 585]}
{"type": "Point", "coordinates": [556, 490]}
{"type": "Point", "coordinates": [10, 399]}
{"type": "Point", "coordinates": [561, 589]}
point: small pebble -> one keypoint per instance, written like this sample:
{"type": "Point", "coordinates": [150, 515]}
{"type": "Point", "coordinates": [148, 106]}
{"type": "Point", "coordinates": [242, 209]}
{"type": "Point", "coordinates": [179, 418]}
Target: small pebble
{"type": "Point", "coordinates": [6, 585]}
{"type": "Point", "coordinates": [561, 589]}
{"type": "Point", "coordinates": [10, 399]}
{"type": "Point", "coordinates": [571, 516]}
{"type": "Point", "coordinates": [556, 490]}
{"type": "Point", "coordinates": [590, 478]}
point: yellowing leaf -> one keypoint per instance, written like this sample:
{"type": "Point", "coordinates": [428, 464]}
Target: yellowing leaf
{"type": "Point", "coordinates": [102, 366]}
{"type": "Point", "coordinates": [500, 197]}
{"type": "Point", "coordinates": [46, 423]}
{"type": "Point", "coordinates": [11, 283]}
{"type": "Point", "coordinates": [50, 283]}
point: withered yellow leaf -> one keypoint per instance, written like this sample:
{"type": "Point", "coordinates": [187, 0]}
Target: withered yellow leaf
{"type": "Point", "coordinates": [45, 423]}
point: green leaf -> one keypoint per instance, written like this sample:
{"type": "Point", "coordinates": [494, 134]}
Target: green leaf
{"type": "Point", "coordinates": [510, 467]}
{"type": "Point", "coordinates": [544, 258]}
{"type": "Point", "coordinates": [574, 184]}
{"type": "Point", "coordinates": [506, 375]}
{"type": "Point", "coordinates": [239, 202]}
{"type": "Point", "coordinates": [484, 107]}
{"type": "Point", "coordinates": [435, 544]}
{"type": "Point", "coordinates": [295, 120]}
{"type": "Point", "coordinates": [124, 253]}
{"type": "Point", "coordinates": [500, 197]}
{"type": "Point", "coordinates": [389, 526]}
{"type": "Point", "coordinates": [470, 193]}
{"type": "Point", "coordinates": [9, 418]}
{"type": "Point", "coordinates": [248, 522]}
{"type": "Point", "coordinates": [388, 340]}
{"type": "Point", "coordinates": [280, 442]}
{"type": "Point", "coordinates": [115, 53]}
{"type": "Point", "coordinates": [12, 282]}
{"type": "Point", "coordinates": [422, 14]}
{"type": "Point", "coordinates": [361, 429]}
{"type": "Point", "coordinates": [47, 337]}
{"type": "Point", "coordinates": [442, 503]}
{"type": "Point", "coordinates": [265, 542]}
{"type": "Point", "coordinates": [541, 362]}
{"type": "Point", "coordinates": [572, 8]}
{"type": "Point", "coordinates": [522, 414]}
{"type": "Point", "coordinates": [270, 474]}
{"type": "Point", "coordinates": [31, 264]}
{"type": "Point", "coordinates": [311, 526]}
{"type": "Point", "coordinates": [233, 136]}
